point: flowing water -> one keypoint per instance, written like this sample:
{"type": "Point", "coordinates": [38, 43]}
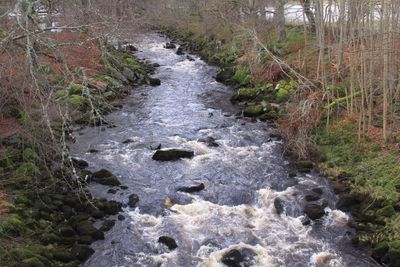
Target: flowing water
{"type": "Point", "coordinates": [242, 178]}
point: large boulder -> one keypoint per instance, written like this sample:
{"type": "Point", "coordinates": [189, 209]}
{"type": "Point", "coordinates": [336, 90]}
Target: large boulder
{"type": "Point", "coordinates": [105, 177]}
{"type": "Point", "coordinates": [172, 154]}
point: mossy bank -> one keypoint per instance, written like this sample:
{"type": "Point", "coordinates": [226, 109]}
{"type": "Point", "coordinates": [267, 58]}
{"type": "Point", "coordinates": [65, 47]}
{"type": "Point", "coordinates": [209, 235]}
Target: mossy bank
{"type": "Point", "coordinates": [47, 216]}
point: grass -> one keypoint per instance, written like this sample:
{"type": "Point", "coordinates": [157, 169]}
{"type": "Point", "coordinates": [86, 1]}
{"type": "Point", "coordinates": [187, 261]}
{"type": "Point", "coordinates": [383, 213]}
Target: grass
{"type": "Point", "coordinates": [369, 170]}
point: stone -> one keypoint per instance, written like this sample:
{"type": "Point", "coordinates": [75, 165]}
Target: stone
{"type": "Point", "coordinates": [80, 163]}
{"type": "Point", "coordinates": [86, 228]}
{"type": "Point", "coordinates": [133, 200]}
{"type": "Point", "coordinates": [66, 231]}
{"type": "Point", "coordinates": [121, 217]}
{"type": "Point", "coordinates": [232, 258]}
{"type": "Point", "coordinates": [278, 206]}
{"type": "Point", "coordinates": [192, 189]}
{"type": "Point", "coordinates": [93, 151]}
{"type": "Point", "coordinates": [112, 191]}
{"type": "Point", "coordinates": [180, 51]}
{"type": "Point", "coordinates": [107, 225]}
{"type": "Point", "coordinates": [131, 48]}
{"type": "Point", "coordinates": [97, 214]}
{"type": "Point", "coordinates": [224, 76]}
{"type": "Point", "coordinates": [318, 190]}
{"type": "Point", "coordinates": [311, 198]}
{"type": "Point", "coordinates": [170, 46]}
{"type": "Point", "coordinates": [154, 81]}
{"type": "Point", "coordinates": [105, 177]}
{"type": "Point", "coordinates": [129, 74]}
{"type": "Point", "coordinates": [128, 141]}
{"type": "Point", "coordinates": [168, 241]}
{"type": "Point", "coordinates": [172, 155]}
{"type": "Point", "coordinates": [81, 252]}
{"type": "Point", "coordinates": [112, 207]}
{"type": "Point", "coordinates": [314, 211]}
{"type": "Point", "coordinates": [210, 141]}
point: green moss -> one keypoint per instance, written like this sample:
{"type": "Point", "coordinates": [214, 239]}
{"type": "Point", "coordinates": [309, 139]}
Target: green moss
{"type": "Point", "coordinates": [369, 170]}
{"type": "Point", "coordinates": [282, 95]}
{"type": "Point", "coordinates": [61, 94]}
{"type": "Point", "coordinates": [76, 89]}
{"type": "Point", "coordinates": [242, 76]}
{"type": "Point", "coordinates": [253, 111]}
{"type": "Point", "coordinates": [250, 93]}
{"type": "Point", "coordinates": [22, 199]}
{"type": "Point", "coordinates": [77, 101]}
{"type": "Point", "coordinates": [387, 211]}
{"type": "Point", "coordinates": [12, 226]}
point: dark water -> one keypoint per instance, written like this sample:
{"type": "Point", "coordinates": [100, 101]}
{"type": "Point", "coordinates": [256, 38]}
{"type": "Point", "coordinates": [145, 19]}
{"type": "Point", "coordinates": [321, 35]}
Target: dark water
{"type": "Point", "coordinates": [242, 178]}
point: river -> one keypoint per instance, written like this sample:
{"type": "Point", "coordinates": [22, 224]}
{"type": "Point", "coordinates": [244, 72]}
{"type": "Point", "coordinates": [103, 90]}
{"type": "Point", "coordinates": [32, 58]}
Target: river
{"type": "Point", "coordinates": [242, 177]}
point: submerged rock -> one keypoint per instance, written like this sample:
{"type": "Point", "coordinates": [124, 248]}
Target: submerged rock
{"type": "Point", "coordinates": [210, 141]}
{"type": "Point", "coordinates": [192, 189]}
{"type": "Point", "coordinates": [314, 211]}
{"type": "Point", "coordinates": [168, 241]}
{"type": "Point", "coordinates": [172, 155]}
{"type": "Point", "coordinates": [105, 177]}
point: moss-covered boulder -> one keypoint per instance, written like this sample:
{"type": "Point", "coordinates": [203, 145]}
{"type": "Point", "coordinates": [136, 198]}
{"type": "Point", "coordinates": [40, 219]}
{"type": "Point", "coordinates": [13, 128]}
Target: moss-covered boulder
{"type": "Point", "coordinates": [253, 111]}
{"type": "Point", "coordinates": [244, 94]}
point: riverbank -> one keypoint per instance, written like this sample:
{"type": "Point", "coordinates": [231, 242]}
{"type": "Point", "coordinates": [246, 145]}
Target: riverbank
{"type": "Point", "coordinates": [47, 216]}
{"type": "Point", "coordinates": [363, 172]}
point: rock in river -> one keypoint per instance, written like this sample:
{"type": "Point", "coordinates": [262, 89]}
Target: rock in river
{"type": "Point", "coordinates": [314, 211]}
{"type": "Point", "coordinates": [278, 205]}
{"type": "Point", "coordinates": [172, 154]}
{"type": "Point", "coordinates": [133, 200]}
{"type": "Point", "coordinates": [168, 241]}
{"type": "Point", "coordinates": [192, 189]}
{"type": "Point", "coordinates": [105, 177]}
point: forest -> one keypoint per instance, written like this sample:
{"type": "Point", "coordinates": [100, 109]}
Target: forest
{"type": "Point", "coordinates": [200, 133]}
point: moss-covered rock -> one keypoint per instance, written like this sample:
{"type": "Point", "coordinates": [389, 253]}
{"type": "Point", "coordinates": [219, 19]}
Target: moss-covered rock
{"type": "Point", "coordinates": [253, 111]}
{"type": "Point", "coordinates": [154, 81]}
{"type": "Point", "coordinates": [244, 94]}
